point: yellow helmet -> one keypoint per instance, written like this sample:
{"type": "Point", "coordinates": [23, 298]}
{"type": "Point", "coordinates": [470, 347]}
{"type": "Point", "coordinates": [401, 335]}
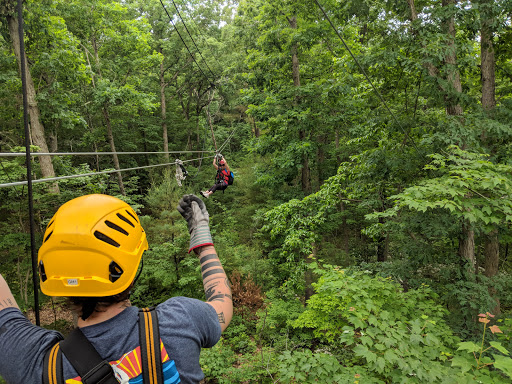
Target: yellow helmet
{"type": "Point", "coordinates": [92, 247]}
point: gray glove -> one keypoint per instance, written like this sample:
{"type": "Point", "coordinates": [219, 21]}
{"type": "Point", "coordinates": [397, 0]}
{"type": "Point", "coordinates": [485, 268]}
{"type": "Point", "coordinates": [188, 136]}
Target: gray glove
{"type": "Point", "coordinates": [194, 211]}
{"type": "Point", "coordinates": [219, 156]}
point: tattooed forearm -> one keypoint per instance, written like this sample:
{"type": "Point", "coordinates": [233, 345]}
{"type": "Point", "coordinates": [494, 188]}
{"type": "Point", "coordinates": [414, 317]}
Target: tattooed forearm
{"type": "Point", "coordinates": [214, 292]}
{"type": "Point", "coordinates": [6, 298]}
{"type": "Point", "coordinates": [211, 256]}
{"type": "Point", "coordinates": [213, 272]}
{"type": "Point", "coordinates": [209, 290]}
{"type": "Point", "coordinates": [216, 285]}
{"type": "Point", "coordinates": [210, 265]}
{"type": "Point", "coordinates": [220, 297]}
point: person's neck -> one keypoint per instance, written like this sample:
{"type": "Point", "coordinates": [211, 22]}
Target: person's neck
{"type": "Point", "coordinates": [104, 314]}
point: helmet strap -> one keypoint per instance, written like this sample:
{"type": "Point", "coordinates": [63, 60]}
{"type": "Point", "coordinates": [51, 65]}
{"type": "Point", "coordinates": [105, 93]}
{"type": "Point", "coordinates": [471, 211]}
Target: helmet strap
{"type": "Point", "coordinates": [140, 270]}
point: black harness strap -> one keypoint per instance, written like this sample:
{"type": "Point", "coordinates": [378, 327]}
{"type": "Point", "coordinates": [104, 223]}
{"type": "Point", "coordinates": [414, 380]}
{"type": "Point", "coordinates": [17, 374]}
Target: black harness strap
{"type": "Point", "coordinates": [86, 360]}
{"type": "Point", "coordinates": [149, 340]}
{"type": "Point", "coordinates": [53, 366]}
{"type": "Point", "coordinates": [92, 368]}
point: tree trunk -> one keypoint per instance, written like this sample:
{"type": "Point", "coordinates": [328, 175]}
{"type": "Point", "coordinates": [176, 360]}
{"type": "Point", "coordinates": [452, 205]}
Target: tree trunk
{"type": "Point", "coordinates": [36, 127]}
{"type": "Point", "coordinates": [337, 146]}
{"type": "Point", "coordinates": [305, 172]}
{"type": "Point", "coordinates": [110, 137]}
{"type": "Point", "coordinates": [382, 246]}
{"type": "Point", "coordinates": [492, 252]}
{"type": "Point", "coordinates": [453, 106]}
{"type": "Point", "coordinates": [467, 247]}
{"type": "Point", "coordinates": [163, 109]}
{"type": "Point", "coordinates": [492, 258]}
{"type": "Point", "coordinates": [106, 115]}
{"type": "Point", "coordinates": [255, 128]}
{"type": "Point", "coordinates": [53, 141]}
{"type": "Point", "coordinates": [488, 76]}
{"type": "Point", "coordinates": [320, 161]}
{"type": "Point", "coordinates": [487, 57]}
{"type": "Point", "coordinates": [345, 234]}
{"type": "Point", "coordinates": [308, 276]}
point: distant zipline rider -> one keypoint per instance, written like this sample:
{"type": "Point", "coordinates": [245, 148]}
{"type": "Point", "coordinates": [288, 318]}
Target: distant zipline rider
{"type": "Point", "coordinates": [223, 178]}
{"type": "Point", "coordinates": [91, 252]}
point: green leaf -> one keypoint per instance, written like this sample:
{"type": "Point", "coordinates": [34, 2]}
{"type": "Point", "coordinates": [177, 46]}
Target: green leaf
{"type": "Point", "coordinates": [504, 364]}
{"type": "Point", "coordinates": [462, 362]}
{"type": "Point", "coordinates": [468, 346]}
{"type": "Point", "coordinates": [499, 347]}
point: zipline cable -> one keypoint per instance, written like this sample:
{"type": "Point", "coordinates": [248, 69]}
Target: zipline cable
{"type": "Point", "coordinates": [365, 74]}
{"type": "Point", "coordinates": [28, 161]}
{"type": "Point", "coordinates": [186, 46]}
{"type": "Point", "coordinates": [201, 159]}
{"type": "Point", "coordinates": [94, 173]}
{"type": "Point", "coordinates": [210, 121]}
{"type": "Point", "coordinates": [17, 154]}
{"type": "Point", "coordinates": [226, 142]}
{"type": "Point", "coordinates": [9, 178]}
{"type": "Point", "coordinates": [191, 38]}
{"type": "Point", "coordinates": [202, 35]}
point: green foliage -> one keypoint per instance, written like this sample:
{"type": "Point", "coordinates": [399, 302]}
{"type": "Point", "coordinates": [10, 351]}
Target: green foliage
{"type": "Point", "coordinates": [308, 367]}
{"type": "Point", "coordinates": [469, 187]}
{"type": "Point", "coordinates": [274, 325]}
{"type": "Point", "coordinates": [221, 365]}
{"type": "Point", "coordinates": [382, 328]}
{"type": "Point", "coordinates": [238, 336]}
{"type": "Point", "coordinates": [484, 356]}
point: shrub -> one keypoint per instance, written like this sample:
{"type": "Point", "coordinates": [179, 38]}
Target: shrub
{"type": "Point", "coordinates": [396, 336]}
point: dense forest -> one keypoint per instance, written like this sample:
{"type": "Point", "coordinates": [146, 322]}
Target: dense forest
{"type": "Point", "coordinates": [368, 230]}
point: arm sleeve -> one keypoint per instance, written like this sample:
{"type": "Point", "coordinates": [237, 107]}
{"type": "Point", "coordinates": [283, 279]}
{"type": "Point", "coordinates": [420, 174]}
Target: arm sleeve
{"type": "Point", "coordinates": [23, 347]}
{"type": "Point", "coordinates": [201, 319]}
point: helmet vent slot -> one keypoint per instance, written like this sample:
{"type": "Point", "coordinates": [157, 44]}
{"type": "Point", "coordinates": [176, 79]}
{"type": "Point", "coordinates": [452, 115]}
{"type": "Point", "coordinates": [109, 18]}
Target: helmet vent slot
{"type": "Point", "coordinates": [50, 224]}
{"type": "Point", "coordinates": [42, 272]}
{"type": "Point", "coordinates": [125, 220]}
{"type": "Point", "coordinates": [116, 227]}
{"type": "Point", "coordinates": [115, 271]}
{"type": "Point", "coordinates": [133, 217]}
{"type": "Point", "coordinates": [106, 239]}
{"type": "Point", "coordinates": [47, 237]}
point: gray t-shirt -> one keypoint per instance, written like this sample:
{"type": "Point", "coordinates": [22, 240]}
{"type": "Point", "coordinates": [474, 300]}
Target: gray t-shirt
{"type": "Point", "coordinates": [186, 325]}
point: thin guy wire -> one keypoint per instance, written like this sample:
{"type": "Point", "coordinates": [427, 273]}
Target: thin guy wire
{"type": "Point", "coordinates": [16, 154]}
{"type": "Point", "coordinates": [185, 44]}
{"type": "Point", "coordinates": [191, 38]}
{"type": "Point", "coordinates": [94, 173]}
{"type": "Point", "coordinates": [23, 69]}
{"type": "Point", "coordinates": [364, 73]}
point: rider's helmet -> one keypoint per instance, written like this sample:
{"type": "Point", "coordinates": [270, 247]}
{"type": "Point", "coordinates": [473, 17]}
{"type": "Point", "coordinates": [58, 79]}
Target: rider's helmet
{"type": "Point", "coordinates": [92, 247]}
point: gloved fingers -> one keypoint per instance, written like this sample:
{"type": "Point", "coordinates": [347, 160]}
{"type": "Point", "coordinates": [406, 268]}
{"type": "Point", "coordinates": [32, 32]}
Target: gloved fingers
{"type": "Point", "coordinates": [198, 212]}
{"type": "Point", "coordinates": [194, 198]}
{"type": "Point", "coordinates": [184, 207]}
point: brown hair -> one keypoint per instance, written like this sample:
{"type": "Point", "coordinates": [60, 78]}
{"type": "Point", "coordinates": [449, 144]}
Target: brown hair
{"type": "Point", "coordinates": [86, 306]}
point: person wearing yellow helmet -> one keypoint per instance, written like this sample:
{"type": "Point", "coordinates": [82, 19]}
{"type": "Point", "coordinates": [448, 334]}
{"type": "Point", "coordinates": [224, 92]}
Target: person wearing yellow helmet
{"type": "Point", "coordinates": [91, 252]}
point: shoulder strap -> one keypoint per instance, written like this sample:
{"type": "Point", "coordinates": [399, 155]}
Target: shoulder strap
{"type": "Point", "coordinates": [52, 366]}
{"type": "Point", "coordinates": [86, 360]}
{"type": "Point", "coordinates": [150, 353]}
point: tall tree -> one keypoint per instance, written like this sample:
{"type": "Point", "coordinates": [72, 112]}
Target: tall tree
{"type": "Point", "coordinates": [37, 134]}
{"type": "Point", "coordinates": [488, 79]}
